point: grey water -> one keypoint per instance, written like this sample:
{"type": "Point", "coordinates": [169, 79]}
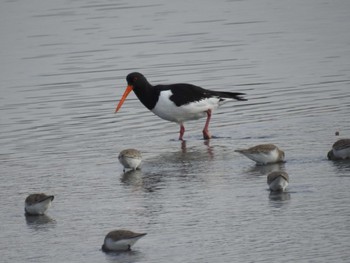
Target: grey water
{"type": "Point", "coordinates": [62, 72]}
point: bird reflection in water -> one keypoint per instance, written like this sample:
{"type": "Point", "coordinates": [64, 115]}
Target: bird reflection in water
{"type": "Point", "coordinates": [39, 221]}
{"type": "Point", "coordinates": [259, 170]}
{"type": "Point", "coordinates": [206, 143]}
{"type": "Point", "coordinates": [279, 199]}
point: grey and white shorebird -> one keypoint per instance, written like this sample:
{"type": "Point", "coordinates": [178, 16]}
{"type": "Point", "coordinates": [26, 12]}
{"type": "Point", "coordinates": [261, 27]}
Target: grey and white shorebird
{"type": "Point", "coordinates": [130, 159]}
{"type": "Point", "coordinates": [37, 204]}
{"type": "Point", "coordinates": [120, 240]}
{"type": "Point", "coordinates": [340, 150]}
{"type": "Point", "coordinates": [278, 181]}
{"type": "Point", "coordinates": [263, 154]}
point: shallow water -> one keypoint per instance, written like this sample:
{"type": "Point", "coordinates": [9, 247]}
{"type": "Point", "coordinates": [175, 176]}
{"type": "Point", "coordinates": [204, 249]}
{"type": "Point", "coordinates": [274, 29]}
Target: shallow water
{"type": "Point", "coordinates": [62, 73]}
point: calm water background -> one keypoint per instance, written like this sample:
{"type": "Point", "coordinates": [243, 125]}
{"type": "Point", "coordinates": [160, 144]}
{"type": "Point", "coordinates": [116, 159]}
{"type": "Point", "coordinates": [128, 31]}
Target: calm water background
{"type": "Point", "coordinates": [62, 71]}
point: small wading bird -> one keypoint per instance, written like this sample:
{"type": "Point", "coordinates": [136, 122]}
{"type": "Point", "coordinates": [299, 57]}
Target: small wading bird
{"type": "Point", "coordinates": [340, 150]}
{"type": "Point", "coordinates": [177, 102]}
{"type": "Point", "coordinates": [37, 204]}
{"type": "Point", "coordinates": [130, 159]}
{"type": "Point", "coordinates": [278, 181]}
{"type": "Point", "coordinates": [120, 240]}
{"type": "Point", "coordinates": [263, 154]}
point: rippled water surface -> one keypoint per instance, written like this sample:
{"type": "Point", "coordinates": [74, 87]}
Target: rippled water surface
{"type": "Point", "coordinates": [62, 71]}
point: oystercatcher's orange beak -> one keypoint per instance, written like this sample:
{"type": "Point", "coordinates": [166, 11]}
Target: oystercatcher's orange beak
{"type": "Point", "coordinates": [129, 88]}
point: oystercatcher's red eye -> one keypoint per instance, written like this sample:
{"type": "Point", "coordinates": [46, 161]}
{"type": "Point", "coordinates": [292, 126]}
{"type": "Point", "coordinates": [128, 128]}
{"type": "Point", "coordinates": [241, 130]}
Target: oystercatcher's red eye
{"type": "Point", "coordinates": [135, 78]}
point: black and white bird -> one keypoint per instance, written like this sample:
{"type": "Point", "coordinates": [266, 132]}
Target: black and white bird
{"type": "Point", "coordinates": [177, 102]}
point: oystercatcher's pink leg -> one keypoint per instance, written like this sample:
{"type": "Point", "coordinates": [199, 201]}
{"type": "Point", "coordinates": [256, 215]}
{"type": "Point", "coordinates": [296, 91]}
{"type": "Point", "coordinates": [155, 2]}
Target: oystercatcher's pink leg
{"type": "Point", "coordinates": [182, 131]}
{"type": "Point", "coordinates": [206, 134]}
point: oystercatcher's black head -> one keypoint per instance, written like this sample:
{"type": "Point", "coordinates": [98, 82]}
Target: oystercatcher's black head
{"type": "Point", "coordinates": [136, 81]}
{"type": "Point", "coordinates": [133, 78]}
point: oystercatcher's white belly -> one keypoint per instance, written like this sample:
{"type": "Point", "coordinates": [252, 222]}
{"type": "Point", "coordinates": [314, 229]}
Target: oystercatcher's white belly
{"type": "Point", "coordinates": [167, 110]}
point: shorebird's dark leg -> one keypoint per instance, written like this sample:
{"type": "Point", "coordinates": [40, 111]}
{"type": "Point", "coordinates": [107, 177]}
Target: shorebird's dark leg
{"type": "Point", "coordinates": [182, 131]}
{"type": "Point", "coordinates": [206, 134]}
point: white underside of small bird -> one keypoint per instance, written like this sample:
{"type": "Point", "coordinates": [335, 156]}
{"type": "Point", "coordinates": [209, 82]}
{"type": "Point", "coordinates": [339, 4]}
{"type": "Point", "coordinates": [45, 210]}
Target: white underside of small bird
{"type": "Point", "coordinates": [130, 162]}
{"type": "Point", "coordinates": [38, 208]}
{"type": "Point", "coordinates": [279, 184]}
{"type": "Point", "coordinates": [120, 245]}
{"type": "Point", "coordinates": [342, 153]}
{"type": "Point", "coordinates": [263, 157]}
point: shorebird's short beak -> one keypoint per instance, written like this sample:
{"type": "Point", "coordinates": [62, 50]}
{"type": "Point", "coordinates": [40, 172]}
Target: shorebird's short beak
{"type": "Point", "coordinates": [129, 88]}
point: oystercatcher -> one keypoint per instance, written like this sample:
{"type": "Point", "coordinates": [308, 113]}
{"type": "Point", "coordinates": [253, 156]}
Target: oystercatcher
{"type": "Point", "coordinates": [177, 102]}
